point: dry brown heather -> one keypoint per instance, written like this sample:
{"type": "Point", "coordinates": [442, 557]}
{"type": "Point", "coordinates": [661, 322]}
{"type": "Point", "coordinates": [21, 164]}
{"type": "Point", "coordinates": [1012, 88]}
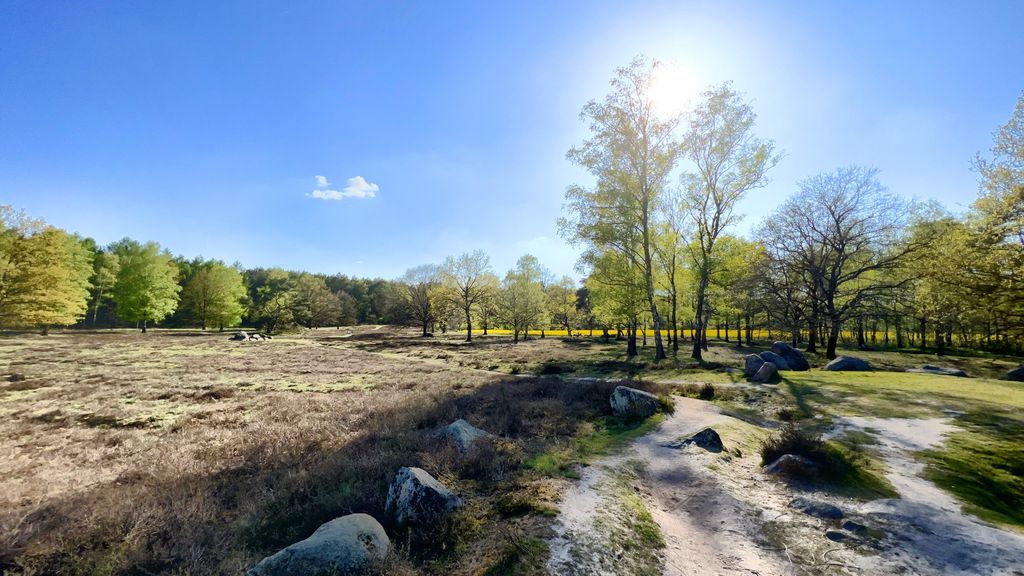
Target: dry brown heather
{"type": "Point", "coordinates": [186, 453]}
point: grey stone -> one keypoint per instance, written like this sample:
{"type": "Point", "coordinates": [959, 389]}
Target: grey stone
{"type": "Point", "coordinates": [751, 364]}
{"type": "Point", "coordinates": [779, 361]}
{"type": "Point", "coordinates": [342, 546]}
{"type": "Point", "coordinates": [939, 371]}
{"type": "Point", "coordinates": [790, 464]}
{"type": "Point", "coordinates": [848, 364]}
{"type": "Point", "coordinates": [631, 402]}
{"type": "Point", "coordinates": [794, 358]}
{"type": "Point", "coordinates": [415, 497]}
{"type": "Point", "coordinates": [240, 335]}
{"type": "Point", "coordinates": [707, 439]}
{"type": "Point", "coordinates": [836, 535]}
{"type": "Point", "coordinates": [463, 435]}
{"type": "Point", "coordinates": [766, 373]}
{"type": "Point", "coordinates": [1016, 375]}
{"type": "Point", "coordinates": [852, 526]}
{"type": "Point", "coordinates": [816, 508]}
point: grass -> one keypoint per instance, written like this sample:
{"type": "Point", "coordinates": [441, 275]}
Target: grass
{"type": "Point", "coordinates": [594, 439]}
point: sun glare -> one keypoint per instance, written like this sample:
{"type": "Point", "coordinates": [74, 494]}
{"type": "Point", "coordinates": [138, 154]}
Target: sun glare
{"type": "Point", "coordinates": [673, 88]}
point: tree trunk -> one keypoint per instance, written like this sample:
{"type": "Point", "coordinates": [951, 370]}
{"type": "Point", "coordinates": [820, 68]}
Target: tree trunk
{"type": "Point", "coordinates": [833, 338]}
{"type": "Point", "coordinates": [143, 325]}
{"type": "Point", "coordinates": [702, 287]}
{"type": "Point", "coordinates": [631, 340]}
{"type": "Point", "coordinates": [469, 325]}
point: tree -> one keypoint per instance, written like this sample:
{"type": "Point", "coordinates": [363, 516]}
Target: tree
{"type": "Point", "coordinates": [631, 152]}
{"type": "Point", "coordinates": [44, 273]}
{"type": "Point", "coordinates": [730, 161]}
{"type": "Point", "coordinates": [418, 283]}
{"type": "Point", "coordinates": [214, 295]}
{"type": "Point", "coordinates": [464, 276]}
{"type": "Point", "coordinates": [522, 299]}
{"type": "Point", "coordinates": [855, 230]}
{"type": "Point", "coordinates": [105, 267]}
{"type": "Point", "coordinates": [147, 282]}
{"type": "Point", "coordinates": [313, 304]}
{"type": "Point", "coordinates": [561, 304]}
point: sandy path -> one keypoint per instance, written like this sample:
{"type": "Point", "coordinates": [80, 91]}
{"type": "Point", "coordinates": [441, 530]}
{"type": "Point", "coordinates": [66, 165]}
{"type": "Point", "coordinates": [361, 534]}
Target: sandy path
{"type": "Point", "coordinates": [707, 530]}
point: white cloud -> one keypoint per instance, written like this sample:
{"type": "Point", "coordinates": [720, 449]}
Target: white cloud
{"type": "Point", "coordinates": [356, 187]}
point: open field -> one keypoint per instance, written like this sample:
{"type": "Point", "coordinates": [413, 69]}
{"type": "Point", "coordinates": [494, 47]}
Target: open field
{"type": "Point", "coordinates": [179, 452]}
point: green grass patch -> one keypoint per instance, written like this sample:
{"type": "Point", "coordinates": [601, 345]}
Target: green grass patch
{"type": "Point", "coordinates": [592, 439]}
{"type": "Point", "coordinates": [984, 467]}
{"type": "Point", "coordinates": [523, 556]}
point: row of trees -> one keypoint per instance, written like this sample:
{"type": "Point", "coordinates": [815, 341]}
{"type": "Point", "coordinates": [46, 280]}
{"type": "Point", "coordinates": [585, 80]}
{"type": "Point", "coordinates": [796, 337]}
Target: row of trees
{"type": "Point", "coordinates": [841, 255]}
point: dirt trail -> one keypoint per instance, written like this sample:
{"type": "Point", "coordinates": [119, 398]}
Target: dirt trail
{"type": "Point", "coordinates": [706, 529]}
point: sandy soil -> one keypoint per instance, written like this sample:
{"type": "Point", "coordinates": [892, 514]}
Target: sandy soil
{"type": "Point", "coordinates": [720, 515]}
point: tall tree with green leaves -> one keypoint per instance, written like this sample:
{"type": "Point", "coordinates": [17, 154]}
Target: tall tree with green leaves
{"type": "Point", "coordinates": [631, 151]}
{"type": "Point", "coordinates": [522, 300]}
{"type": "Point", "coordinates": [464, 278]}
{"type": "Point", "coordinates": [104, 275]}
{"type": "Point", "coordinates": [147, 282]}
{"type": "Point", "coordinates": [730, 160]}
{"type": "Point", "coordinates": [419, 283]}
{"type": "Point", "coordinates": [44, 273]}
{"type": "Point", "coordinates": [214, 295]}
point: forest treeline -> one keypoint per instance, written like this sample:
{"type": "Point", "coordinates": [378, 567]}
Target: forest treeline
{"type": "Point", "coordinates": [842, 255]}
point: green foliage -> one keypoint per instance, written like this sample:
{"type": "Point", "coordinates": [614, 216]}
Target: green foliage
{"type": "Point", "coordinates": [44, 273]}
{"type": "Point", "coordinates": [214, 295]}
{"type": "Point", "coordinates": [147, 282]}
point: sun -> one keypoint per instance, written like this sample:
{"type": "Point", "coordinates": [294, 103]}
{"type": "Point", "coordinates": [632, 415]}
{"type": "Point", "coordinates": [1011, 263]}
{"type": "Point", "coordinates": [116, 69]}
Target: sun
{"type": "Point", "coordinates": [672, 89]}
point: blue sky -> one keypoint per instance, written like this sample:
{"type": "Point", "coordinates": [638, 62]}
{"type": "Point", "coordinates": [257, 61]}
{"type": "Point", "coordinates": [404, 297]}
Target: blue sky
{"type": "Point", "coordinates": [205, 125]}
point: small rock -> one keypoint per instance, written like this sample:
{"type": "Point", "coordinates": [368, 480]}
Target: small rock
{"type": "Point", "coordinates": [792, 465]}
{"type": "Point", "coordinates": [463, 435]}
{"type": "Point", "coordinates": [1015, 375]}
{"type": "Point", "coordinates": [794, 358]}
{"type": "Point", "coordinates": [766, 373]}
{"type": "Point", "coordinates": [631, 402]}
{"type": "Point", "coordinates": [939, 371]}
{"type": "Point", "coordinates": [779, 361]}
{"type": "Point", "coordinates": [240, 335]}
{"type": "Point", "coordinates": [707, 439]}
{"type": "Point", "coordinates": [836, 535]}
{"type": "Point", "coordinates": [416, 497]}
{"type": "Point", "coordinates": [848, 364]}
{"type": "Point", "coordinates": [852, 526]}
{"type": "Point", "coordinates": [751, 364]}
{"type": "Point", "coordinates": [342, 546]}
{"type": "Point", "coordinates": [816, 508]}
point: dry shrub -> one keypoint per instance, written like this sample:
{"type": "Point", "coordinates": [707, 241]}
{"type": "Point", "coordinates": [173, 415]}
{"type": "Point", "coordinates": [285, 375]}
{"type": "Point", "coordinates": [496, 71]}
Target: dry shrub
{"type": "Point", "coordinates": [792, 440]}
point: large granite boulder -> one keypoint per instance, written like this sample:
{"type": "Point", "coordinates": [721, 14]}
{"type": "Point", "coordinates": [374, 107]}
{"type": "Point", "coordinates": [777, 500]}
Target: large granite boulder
{"type": "Point", "coordinates": [779, 361]}
{"type": "Point", "coordinates": [463, 435]}
{"type": "Point", "coordinates": [939, 371]}
{"type": "Point", "coordinates": [751, 364]}
{"type": "Point", "coordinates": [417, 498]}
{"type": "Point", "coordinates": [795, 358]}
{"type": "Point", "coordinates": [1016, 375]}
{"type": "Point", "coordinates": [848, 364]}
{"type": "Point", "coordinates": [633, 403]}
{"type": "Point", "coordinates": [766, 373]}
{"type": "Point", "coordinates": [344, 545]}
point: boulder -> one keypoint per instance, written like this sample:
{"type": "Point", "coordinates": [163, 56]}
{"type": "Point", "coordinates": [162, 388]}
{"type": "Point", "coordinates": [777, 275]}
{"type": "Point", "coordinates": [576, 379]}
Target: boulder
{"type": "Point", "coordinates": [779, 361]}
{"type": "Point", "coordinates": [240, 335]}
{"type": "Point", "coordinates": [766, 373]}
{"type": "Point", "coordinates": [342, 546]}
{"type": "Point", "coordinates": [463, 435]}
{"type": "Point", "coordinates": [848, 364]}
{"type": "Point", "coordinates": [415, 497]}
{"type": "Point", "coordinates": [816, 508]}
{"type": "Point", "coordinates": [707, 439]}
{"type": "Point", "coordinates": [751, 364]}
{"type": "Point", "coordinates": [633, 403]}
{"type": "Point", "coordinates": [836, 535]}
{"type": "Point", "coordinates": [791, 465]}
{"type": "Point", "coordinates": [939, 371]}
{"type": "Point", "coordinates": [852, 526]}
{"type": "Point", "coordinates": [1016, 375]}
{"type": "Point", "coordinates": [795, 358]}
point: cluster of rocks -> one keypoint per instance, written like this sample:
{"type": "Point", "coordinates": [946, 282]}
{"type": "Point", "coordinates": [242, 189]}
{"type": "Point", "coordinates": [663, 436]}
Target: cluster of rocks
{"type": "Point", "coordinates": [840, 530]}
{"type": "Point", "coordinates": [764, 367]}
{"type": "Point", "coordinates": [355, 542]}
{"type": "Point", "coordinates": [243, 336]}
